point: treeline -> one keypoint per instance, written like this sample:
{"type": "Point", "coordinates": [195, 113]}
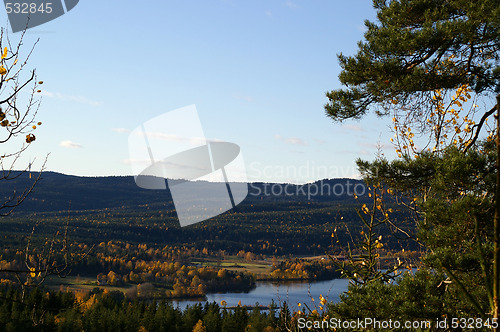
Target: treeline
{"type": "Point", "coordinates": [110, 311]}
{"type": "Point", "coordinates": [166, 272]}
{"type": "Point", "coordinates": [304, 269]}
{"type": "Point", "coordinates": [54, 192]}
{"type": "Point", "coordinates": [278, 229]}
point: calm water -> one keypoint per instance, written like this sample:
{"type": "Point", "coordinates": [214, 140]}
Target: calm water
{"type": "Point", "coordinates": [291, 292]}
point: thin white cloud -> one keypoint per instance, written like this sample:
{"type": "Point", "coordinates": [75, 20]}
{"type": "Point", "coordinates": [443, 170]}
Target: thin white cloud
{"type": "Point", "coordinates": [70, 144]}
{"type": "Point", "coordinates": [121, 130]}
{"type": "Point", "coordinates": [295, 141]}
{"type": "Point", "coordinates": [215, 140]}
{"type": "Point", "coordinates": [76, 99]}
{"type": "Point", "coordinates": [291, 140]}
{"type": "Point", "coordinates": [131, 161]}
{"type": "Point", "coordinates": [352, 127]}
{"type": "Point", "coordinates": [291, 4]}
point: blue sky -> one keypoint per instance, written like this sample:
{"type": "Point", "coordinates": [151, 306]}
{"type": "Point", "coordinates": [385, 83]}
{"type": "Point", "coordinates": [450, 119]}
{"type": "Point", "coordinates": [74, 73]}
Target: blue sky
{"type": "Point", "coordinates": [257, 72]}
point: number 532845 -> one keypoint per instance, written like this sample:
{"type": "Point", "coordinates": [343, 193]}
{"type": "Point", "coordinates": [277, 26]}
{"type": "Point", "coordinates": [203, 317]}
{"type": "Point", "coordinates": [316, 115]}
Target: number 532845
{"type": "Point", "coordinates": [28, 8]}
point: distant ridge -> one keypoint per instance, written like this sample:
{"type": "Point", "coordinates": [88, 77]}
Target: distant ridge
{"type": "Point", "coordinates": [57, 192]}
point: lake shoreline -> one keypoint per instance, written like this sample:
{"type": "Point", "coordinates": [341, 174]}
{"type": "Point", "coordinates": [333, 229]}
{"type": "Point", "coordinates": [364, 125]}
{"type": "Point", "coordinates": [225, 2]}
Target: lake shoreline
{"type": "Point", "coordinates": [267, 292]}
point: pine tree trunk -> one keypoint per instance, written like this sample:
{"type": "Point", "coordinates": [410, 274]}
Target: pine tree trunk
{"type": "Point", "coordinates": [496, 226]}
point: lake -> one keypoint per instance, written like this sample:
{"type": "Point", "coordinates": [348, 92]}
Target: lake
{"type": "Point", "coordinates": [291, 292]}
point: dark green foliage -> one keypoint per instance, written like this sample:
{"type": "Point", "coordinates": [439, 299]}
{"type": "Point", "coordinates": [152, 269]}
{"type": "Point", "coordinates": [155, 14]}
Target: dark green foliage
{"type": "Point", "coordinates": [234, 321]}
{"type": "Point", "coordinates": [108, 311]}
{"type": "Point", "coordinates": [212, 318]}
{"type": "Point", "coordinates": [424, 295]}
{"type": "Point", "coordinates": [454, 193]}
{"type": "Point", "coordinates": [115, 209]}
{"type": "Point", "coordinates": [419, 46]}
{"type": "Point", "coordinates": [285, 318]}
{"type": "Point", "coordinates": [257, 321]}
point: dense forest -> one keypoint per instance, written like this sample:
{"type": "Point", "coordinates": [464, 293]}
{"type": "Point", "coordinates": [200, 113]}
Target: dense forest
{"type": "Point", "coordinates": [110, 311]}
{"type": "Point", "coordinates": [126, 240]}
{"type": "Point", "coordinates": [115, 209]}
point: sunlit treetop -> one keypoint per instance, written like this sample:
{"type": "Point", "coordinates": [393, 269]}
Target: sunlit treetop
{"type": "Point", "coordinates": [415, 48]}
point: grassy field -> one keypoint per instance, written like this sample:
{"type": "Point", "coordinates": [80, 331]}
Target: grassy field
{"type": "Point", "coordinates": [80, 284]}
{"type": "Point", "coordinates": [234, 263]}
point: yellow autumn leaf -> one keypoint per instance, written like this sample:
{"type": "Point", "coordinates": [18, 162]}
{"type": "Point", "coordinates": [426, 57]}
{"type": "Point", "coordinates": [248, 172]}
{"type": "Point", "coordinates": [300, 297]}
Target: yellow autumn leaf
{"type": "Point", "coordinates": [30, 138]}
{"type": "Point", "coordinates": [4, 54]}
{"type": "Point", "coordinates": [3, 71]}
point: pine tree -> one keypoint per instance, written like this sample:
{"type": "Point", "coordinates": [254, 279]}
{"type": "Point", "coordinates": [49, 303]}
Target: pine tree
{"type": "Point", "coordinates": [284, 318]}
{"type": "Point", "coordinates": [212, 317]}
{"type": "Point", "coordinates": [418, 52]}
{"type": "Point", "coordinates": [419, 46]}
